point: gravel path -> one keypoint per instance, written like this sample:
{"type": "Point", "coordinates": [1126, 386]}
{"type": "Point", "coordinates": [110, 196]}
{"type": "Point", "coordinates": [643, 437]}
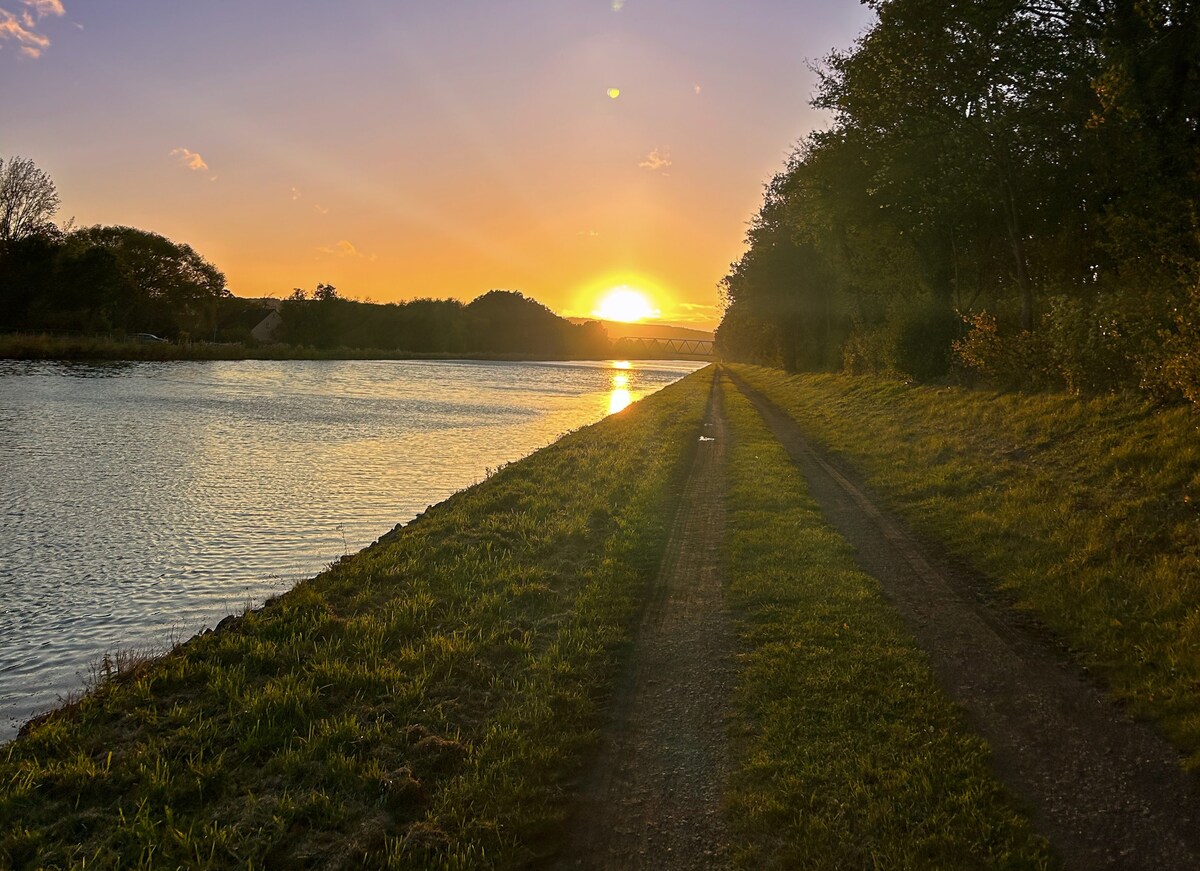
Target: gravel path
{"type": "Point", "coordinates": [1107, 792]}
{"type": "Point", "coordinates": [653, 799]}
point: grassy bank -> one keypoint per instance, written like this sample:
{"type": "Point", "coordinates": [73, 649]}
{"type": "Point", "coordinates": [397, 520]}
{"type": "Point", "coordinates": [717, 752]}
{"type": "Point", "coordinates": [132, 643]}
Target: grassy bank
{"type": "Point", "coordinates": [847, 754]}
{"type": "Point", "coordinates": [42, 346]}
{"type": "Point", "coordinates": [418, 705]}
{"type": "Point", "coordinates": [1086, 511]}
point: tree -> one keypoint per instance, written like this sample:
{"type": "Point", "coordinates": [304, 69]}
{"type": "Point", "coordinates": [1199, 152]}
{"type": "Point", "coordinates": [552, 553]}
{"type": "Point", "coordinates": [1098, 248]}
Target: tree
{"type": "Point", "coordinates": [28, 200]}
{"type": "Point", "coordinates": [169, 286]}
{"type": "Point", "coordinates": [972, 114]}
{"type": "Point", "coordinates": [508, 322]}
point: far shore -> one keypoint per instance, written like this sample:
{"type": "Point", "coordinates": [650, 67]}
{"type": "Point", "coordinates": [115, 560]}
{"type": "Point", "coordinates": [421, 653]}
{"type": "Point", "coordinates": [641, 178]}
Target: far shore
{"type": "Point", "coordinates": [48, 346]}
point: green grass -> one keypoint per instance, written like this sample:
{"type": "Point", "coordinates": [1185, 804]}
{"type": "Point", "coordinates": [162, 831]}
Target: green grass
{"type": "Point", "coordinates": [846, 754]}
{"type": "Point", "coordinates": [1086, 511]}
{"type": "Point", "coordinates": [419, 705]}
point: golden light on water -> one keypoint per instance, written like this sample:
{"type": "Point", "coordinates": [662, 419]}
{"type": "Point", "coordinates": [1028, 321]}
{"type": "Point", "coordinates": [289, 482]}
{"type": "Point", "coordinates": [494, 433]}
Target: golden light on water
{"type": "Point", "coordinates": [621, 396]}
{"type": "Point", "coordinates": [625, 303]}
{"type": "Point", "coordinates": [619, 400]}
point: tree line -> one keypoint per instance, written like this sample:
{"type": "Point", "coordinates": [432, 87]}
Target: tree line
{"type": "Point", "coordinates": [123, 280]}
{"type": "Point", "coordinates": [501, 322]}
{"type": "Point", "coordinates": [95, 279]}
{"type": "Point", "coordinates": [1008, 190]}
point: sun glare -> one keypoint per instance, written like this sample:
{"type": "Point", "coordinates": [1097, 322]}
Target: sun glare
{"type": "Point", "coordinates": [625, 304]}
{"type": "Point", "coordinates": [619, 400]}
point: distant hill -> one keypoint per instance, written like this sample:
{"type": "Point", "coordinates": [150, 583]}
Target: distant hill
{"type": "Point", "coordinates": [622, 330]}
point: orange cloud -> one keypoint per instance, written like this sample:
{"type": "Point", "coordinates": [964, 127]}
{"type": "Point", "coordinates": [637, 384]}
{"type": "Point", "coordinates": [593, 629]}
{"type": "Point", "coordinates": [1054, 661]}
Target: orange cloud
{"type": "Point", "coordinates": [656, 160]}
{"type": "Point", "coordinates": [31, 42]}
{"type": "Point", "coordinates": [46, 7]}
{"type": "Point", "coordinates": [344, 248]}
{"type": "Point", "coordinates": [189, 158]}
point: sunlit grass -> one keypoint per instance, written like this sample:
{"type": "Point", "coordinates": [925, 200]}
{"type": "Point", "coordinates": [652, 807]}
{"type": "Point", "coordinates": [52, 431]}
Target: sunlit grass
{"type": "Point", "coordinates": [419, 705]}
{"type": "Point", "coordinates": [1086, 511]}
{"type": "Point", "coordinates": [847, 755]}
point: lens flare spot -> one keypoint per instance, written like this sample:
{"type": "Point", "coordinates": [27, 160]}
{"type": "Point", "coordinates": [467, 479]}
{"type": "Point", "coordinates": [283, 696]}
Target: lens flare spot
{"type": "Point", "coordinates": [613, 92]}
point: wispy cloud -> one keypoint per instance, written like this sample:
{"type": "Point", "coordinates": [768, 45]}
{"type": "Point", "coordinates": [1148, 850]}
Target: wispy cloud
{"type": "Point", "coordinates": [189, 158]}
{"type": "Point", "coordinates": [46, 7]}
{"type": "Point", "coordinates": [345, 248]}
{"type": "Point", "coordinates": [656, 160]}
{"type": "Point", "coordinates": [703, 316]}
{"type": "Point", "coordinates": [22, 29]}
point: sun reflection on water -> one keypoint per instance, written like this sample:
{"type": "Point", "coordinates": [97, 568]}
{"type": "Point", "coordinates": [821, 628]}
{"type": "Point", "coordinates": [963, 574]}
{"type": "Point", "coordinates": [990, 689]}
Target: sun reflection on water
{"type": "Point", "coordinates": [621, 397]}
{"type": "Point", "coordinates": [619, 400]}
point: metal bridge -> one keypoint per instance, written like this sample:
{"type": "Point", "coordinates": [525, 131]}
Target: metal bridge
{"type": "Point", "coordinates": [646, 348]}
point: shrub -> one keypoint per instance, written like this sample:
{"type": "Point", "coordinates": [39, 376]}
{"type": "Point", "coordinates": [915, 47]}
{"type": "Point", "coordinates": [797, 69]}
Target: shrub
{"type": "Point", "coordinates": [922, 335]}
{"type": "Point", "coordinates": [1097, 345]}
{"type": "Point", "coordinates": [914, 340]}
{"type": "Point", "coordinates": [1171, 370]}
{"type": "Point", "coordinates": [865, 351]}
{"type": "Point", "coordinates": [1016, 361]}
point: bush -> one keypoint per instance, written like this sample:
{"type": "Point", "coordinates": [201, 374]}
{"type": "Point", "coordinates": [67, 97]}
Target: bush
{"type": "Point", "coordinates": [1171, 371]}
{"type": "Point", "coordinates": [865, 351]}
{"type": "Point", "coordinates": [1097, 346]}
{"type": "Point", "coordinates": [1018, 361]}
{"type": "Point", "coordinates": [914, 340]}
{"type": "Point", "coordinates": [922, 335]}
{"type": "Point", "coordinates": [1083, 346]}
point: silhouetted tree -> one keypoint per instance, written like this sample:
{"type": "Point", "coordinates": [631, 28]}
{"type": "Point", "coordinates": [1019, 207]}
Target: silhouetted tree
{"type": "Point", "coordinates": [165, 286]}
{"type": "Point", "coordinates": [499, 322]}
{"type": "Point", "coordinates": [28, 200]}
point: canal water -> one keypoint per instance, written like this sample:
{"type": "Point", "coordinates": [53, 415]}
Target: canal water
{"type": "Point", "coordinates": [142, 502]}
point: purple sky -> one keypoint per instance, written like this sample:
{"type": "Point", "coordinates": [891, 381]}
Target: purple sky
{"type": "Point", "coordinates": [399, 149]}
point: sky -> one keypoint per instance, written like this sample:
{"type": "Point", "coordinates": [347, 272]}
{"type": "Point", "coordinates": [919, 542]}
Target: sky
{"type": "Point", "coordinates": [425, 149]}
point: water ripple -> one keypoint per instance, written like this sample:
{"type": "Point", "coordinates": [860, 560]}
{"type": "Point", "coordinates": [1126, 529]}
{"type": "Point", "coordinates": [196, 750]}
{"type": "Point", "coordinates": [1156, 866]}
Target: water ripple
{"type": "Point", "coordinates": [141, 502]}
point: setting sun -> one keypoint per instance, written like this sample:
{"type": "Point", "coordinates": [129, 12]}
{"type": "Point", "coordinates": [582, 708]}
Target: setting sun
{"type": "Point", "coordinates": [625, 304]}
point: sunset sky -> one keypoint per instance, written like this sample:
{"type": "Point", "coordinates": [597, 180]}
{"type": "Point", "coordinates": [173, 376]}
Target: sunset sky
{"type": "Point", "coordinates": [403, 149]}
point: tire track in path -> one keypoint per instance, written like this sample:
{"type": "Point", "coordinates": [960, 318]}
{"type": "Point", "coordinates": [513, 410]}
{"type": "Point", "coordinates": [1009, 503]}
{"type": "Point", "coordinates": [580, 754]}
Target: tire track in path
{"type": "Point", "coordinates": [1107, 792]}
{"type": "Point", "coordinates": [653, 798]}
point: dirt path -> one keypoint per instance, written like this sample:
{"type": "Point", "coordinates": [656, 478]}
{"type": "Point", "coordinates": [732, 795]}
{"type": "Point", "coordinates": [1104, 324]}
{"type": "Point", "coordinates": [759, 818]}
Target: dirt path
{"type": "Point", "coordinates": [1107, 792]}
{"type": "Point", "coordinates": [653, 799]}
